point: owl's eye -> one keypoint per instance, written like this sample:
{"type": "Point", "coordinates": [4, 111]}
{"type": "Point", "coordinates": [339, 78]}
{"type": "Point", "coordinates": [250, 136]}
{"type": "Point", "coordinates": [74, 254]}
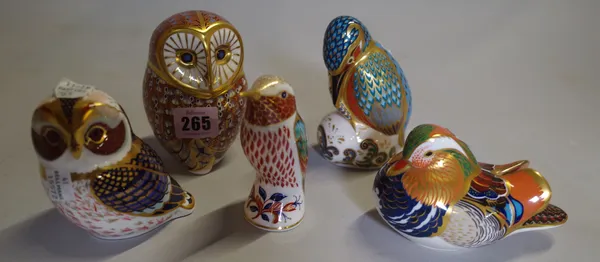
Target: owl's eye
{"type": "Point", "coordinates": [351, 60]}
{"type": "Point", "coordinates": [226, 54]}
{"type": "Point", "coordinates": [51, 135]}
{"type": "Point", "coordinates": [102, 139]}
{"type": "Point", "coordinates": [284, 94]}
{"type": "Point", "coordinates": [221, 54]}
{"type": "Point", "coordinates": [49, 143]}
{"type": "Point", "coordinates": [187, 58]}
{"type": "Point", "coordinates": [96, 134]}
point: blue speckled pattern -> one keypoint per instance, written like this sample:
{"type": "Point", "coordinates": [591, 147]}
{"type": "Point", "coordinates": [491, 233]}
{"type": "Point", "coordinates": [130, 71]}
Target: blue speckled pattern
{"type": "Point", "coordinates": [379, 87]}
{"type": "Point", "coordinates": [403, 80]}
{"type": "Point", "coordinates": [337, 40]}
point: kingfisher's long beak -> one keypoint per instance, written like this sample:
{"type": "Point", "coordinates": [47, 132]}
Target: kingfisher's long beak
{"type": "Point", "coordinates": [254, 94]}
{"type": "Point", "coordinates": [75, 148]}
{"type": "Point", "coordinates": [336, 81]}
{"type": "Point", "coordinates": [400, 167]}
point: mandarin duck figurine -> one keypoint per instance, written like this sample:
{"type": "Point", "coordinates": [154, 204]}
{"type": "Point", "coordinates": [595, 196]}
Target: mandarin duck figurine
{"type": "Point", "coordinates": [274, 140]}
{"type": "Point", "coordinates": [436, 194]}
{"type": "Point", "coordinates": [96, 171]}
{"type": "Point", "coordinates": [370, 92]}
{"type": "Point", "coordinates": [191, 87]}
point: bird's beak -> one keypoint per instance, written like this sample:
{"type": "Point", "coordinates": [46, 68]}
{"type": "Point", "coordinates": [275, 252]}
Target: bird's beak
{"type": "Point", "coordinates": [336, 81]}
{"type": "Point", "coordinates": [76, 148]}
{"type": "Point", "coordinates": [254, 94]}
{"type": "Point", "coordinates": [399, 167]}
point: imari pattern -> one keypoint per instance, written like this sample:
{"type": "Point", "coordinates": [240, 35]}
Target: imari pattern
{"type": "Point", "coordinates": [274, 209]}
{"type": "Point", "coordinates": [160, 98]}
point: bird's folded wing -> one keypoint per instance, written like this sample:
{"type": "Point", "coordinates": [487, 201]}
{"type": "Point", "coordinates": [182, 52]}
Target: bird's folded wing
{"type": "Point", "coordinates": [132, 189]}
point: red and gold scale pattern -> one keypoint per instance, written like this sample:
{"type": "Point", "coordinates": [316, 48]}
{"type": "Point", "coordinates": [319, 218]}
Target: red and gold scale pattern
{"type": "Point", "coordinates": [271, 154]}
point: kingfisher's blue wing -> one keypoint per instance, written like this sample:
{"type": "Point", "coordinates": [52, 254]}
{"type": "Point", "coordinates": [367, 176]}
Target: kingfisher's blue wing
{"type": "Point", "coordinates": [139, 187]}
{"type": "Point", "coordinates": [403, 81]}
{"type": "Point", "coordinates": [301, 142]}
{"type": "Point", "coordinates": [380, 93]}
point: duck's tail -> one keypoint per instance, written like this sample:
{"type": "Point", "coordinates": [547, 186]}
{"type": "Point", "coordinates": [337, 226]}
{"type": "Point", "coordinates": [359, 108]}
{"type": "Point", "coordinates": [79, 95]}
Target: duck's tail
{"type": "Point", "coordinates": [551, 216]}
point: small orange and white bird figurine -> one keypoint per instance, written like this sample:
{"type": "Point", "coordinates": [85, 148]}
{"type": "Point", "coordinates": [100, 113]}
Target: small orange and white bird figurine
{"type": "Point", "coordinates": [274, 140]}
{"type": "Point", "coordinates": [436, 194]}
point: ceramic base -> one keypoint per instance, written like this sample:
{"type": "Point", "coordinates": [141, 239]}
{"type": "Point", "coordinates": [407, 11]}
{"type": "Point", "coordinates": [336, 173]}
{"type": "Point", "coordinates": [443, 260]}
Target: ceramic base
{"type": "Point", "coordinates": [274, 208]}
{"type": "Point", "coordinates": [275, 230]}
{"type": "Point", "coordinates": [360, 147]}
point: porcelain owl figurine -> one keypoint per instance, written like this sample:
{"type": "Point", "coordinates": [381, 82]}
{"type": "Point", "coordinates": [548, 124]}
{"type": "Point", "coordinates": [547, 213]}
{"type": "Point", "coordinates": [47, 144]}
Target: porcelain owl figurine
{"type": "Point", "coordinates": [274, 140]}
{"type": "Point", "coordinates": [436, 194]}
{"type": "Point", "coordinates": [96, 171]}
{"type": "Point", "coordinates": [370, 92]}
{"type": "Point", "coordinates": [192, 85]}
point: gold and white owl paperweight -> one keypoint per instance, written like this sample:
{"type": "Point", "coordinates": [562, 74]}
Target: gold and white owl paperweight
{"type": "Point", "coordinates": [96, 171]}
{"type": "Point", "coordinates": [192, 87]}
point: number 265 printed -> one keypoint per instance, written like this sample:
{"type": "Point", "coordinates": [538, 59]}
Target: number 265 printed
{"type": "Point", "coordinates": [195, 123]}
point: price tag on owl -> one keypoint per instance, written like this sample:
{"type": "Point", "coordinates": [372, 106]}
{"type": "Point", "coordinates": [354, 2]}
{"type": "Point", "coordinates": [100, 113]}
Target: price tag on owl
{"type": "Point", "coordinates": [197, 122]}
{"type": "Point", "coordinates": [69, 89]}
{"type": "Point", "coordinates": [60, 185]}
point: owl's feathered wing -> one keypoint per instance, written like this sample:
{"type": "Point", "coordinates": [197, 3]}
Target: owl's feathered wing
{"type": "Point", "coordinates": [301, 142]}
{"type": "Point", "coordinates": [139, 186]}
{"type": "Point", "coordinates": [378, 93]}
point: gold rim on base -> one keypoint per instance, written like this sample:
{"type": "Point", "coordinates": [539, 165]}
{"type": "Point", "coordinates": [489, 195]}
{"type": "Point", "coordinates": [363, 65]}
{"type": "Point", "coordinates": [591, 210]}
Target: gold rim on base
{"type": "Point", "coordinates": [280, 229]}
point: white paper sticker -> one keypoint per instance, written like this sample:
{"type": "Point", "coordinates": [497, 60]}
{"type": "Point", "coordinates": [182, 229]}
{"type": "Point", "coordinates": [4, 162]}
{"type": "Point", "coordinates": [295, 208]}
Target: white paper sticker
{"type": "Point", "coordinates": [60, 185]}
{"type": "Point", "coordinates": [69, 89]}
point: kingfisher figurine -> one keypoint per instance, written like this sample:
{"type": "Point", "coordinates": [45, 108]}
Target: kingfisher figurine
{"type": "Point", "coordinates": [436, 194]}
{"type": "Point", "coordinates": [371, 96]}
{"type": "Point", "coordinates": [274, 140]}
{"type": "Point", "coordinates": [191, 87]}
{"type": "Point", "coordinates": [96, 171]}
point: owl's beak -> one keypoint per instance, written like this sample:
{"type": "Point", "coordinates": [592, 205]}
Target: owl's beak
{"type": "Point", "coordinates": [75, 148]}
{"type": "Point", "coordinates": [254, 94]}
{"type": "Point", "coordinates": [400, 167]}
